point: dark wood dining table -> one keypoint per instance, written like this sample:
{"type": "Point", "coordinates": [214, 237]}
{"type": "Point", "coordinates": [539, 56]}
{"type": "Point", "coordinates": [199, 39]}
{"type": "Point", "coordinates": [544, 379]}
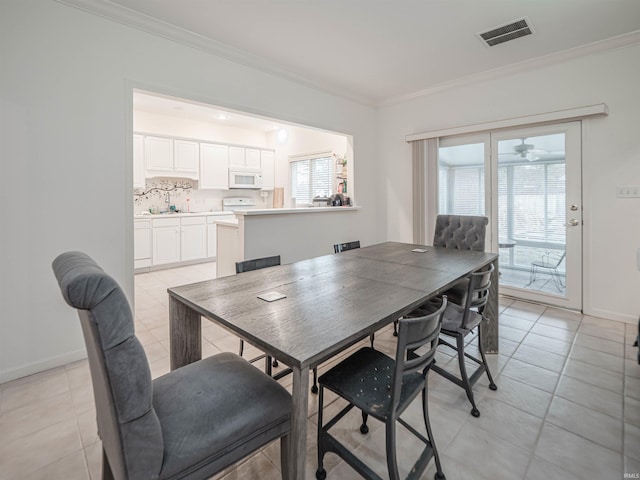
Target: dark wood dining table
{"type": "Point", "coordinates": [331, 303]}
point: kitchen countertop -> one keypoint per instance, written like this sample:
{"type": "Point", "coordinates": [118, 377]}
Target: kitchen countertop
{"type": "Point", "coordinates": [151, 216]}
{"type": "Point", "coordinates": [278, 211]}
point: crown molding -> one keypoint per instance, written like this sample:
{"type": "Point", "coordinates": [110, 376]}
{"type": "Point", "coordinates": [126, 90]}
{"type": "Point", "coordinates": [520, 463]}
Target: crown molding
{"type": "Point", "coordinates": [613, 43]}
{"type": "Point", "coordinates": [148, 24]}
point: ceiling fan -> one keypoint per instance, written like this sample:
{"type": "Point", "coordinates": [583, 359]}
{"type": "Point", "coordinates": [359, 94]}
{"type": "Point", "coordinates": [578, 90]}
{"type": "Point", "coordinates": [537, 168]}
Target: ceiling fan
{"type": "Point", "coordinates": [528, 151]}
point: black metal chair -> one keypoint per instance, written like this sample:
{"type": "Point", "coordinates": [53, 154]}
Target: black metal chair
{"type": "Point", "coordinates": [383, 388]}
{"type": "Point", "coordinates": [339, 248]}
{"type": "Point", "coordinates": [549, 263]}
{"type": "Point", "coordinates": [192, 422]}
{"type": "Point", "coordinates": [343, 247]}
{"type": "Point", "coordinates": [248, 266]}
{"type": "Point", "coordinates": [458, 321]}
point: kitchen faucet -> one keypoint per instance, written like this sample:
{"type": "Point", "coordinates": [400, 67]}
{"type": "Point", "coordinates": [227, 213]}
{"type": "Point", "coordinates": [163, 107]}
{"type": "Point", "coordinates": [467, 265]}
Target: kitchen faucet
{"type": "Point", "coordinates": [167, 200]}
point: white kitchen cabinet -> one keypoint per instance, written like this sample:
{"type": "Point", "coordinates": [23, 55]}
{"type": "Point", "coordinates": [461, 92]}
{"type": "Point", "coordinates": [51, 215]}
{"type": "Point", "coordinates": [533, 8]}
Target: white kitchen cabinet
{"type": "Point", "coordinates": [138, 162]}
{"type": "Point", "coordinates": [141, 243]}
{"type": "Point", "coordinates": [236, 156]}
{"type": "Point", "coordinates": [193, 240]}
{"type": "Point", "coordinates": [158, 154]}
{"type": "Point", "coordinates": [268, 166]}
{"type": "Point", "coordinates": [252, 158]}
{"type": "Point", "coordinates": [186, 157]}
{"type": "Point", "coordinates": [214, 167]}
{"type": "Point", "coordinates": [166, 240]}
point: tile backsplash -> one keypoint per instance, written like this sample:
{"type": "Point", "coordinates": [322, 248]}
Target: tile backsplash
{"type": "Point", "coordinates": [198, 200]}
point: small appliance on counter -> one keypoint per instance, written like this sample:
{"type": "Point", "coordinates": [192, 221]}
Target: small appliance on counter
{"type": "Point", "coordinates": [231, 204]}
{"type": "Point", "coordinates": [320, 201]}
{"type": "Point", "coordinates": [336, 200]}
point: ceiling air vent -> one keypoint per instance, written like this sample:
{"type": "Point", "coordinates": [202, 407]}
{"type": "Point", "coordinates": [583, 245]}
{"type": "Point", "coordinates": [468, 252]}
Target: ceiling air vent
{"type": "Point", "coordinates": [504, 33]}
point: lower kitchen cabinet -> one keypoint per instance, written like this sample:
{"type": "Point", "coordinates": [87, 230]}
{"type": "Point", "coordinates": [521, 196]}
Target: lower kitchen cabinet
{"type": "Point", "coordinates": [141, 243]}
{"type": "Point", "coordinates": [174, 240]}
{"type": "Point", "coordinates": [166, 241]}
{"type": "Point", "coordinates": [193, 238]}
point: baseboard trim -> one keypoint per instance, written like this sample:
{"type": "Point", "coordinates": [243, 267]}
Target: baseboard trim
{"type": "Point", "coordinates": [41, 366]}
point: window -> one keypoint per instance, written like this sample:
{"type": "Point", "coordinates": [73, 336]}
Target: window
{"type": "Point", "coordinates": [461, 180]}
{"type": "Point", "coordinates": [311, 177]}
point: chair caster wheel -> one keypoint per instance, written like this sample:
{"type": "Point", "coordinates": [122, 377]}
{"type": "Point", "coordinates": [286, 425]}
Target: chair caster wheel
{"type": "Point", "coordinates": [314, 389]}
{"type": "Point", "coordinates": [475, 412]}
{"type": "Point", "coordinates": [439, 476]}
{"type": "Point", "coordinates": [493, 387]}
{"type": "Point", "coordinates": [274, 363]}
{"type": "Point", "coordinates": [395, 334]}
{"type": "Point", "coordinates": [364, 429]}
{"type": "Point", "coordinates": [321, 474]}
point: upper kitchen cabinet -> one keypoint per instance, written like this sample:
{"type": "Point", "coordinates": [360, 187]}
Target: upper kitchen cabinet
{"type": "Point", "coordinates": [236, 156]}
{"type": "Point", "coordinates": [166, 157]}
{"type": "Point", "coordinates": [268, 166]}
{"type": "Point", "coordinates": [252, 158]}
{"type": "Point", "coordinates": [158, 154]}
{"type": "Point", "coordinates": [244, 157]}
{"type": "Point", "coordinates": [138, 161]}
{"type": "Point", "coordinates": [214, 166]}
{"type": "Point", "coordinates": [186, 157]}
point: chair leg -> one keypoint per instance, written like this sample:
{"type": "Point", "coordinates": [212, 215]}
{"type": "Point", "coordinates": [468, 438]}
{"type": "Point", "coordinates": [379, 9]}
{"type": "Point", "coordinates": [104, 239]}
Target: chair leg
{"type": "Point", "coordinates": [314, 387]}
{"type": "Point", "coordinates": [107, 474]}
{"type": "Point", "coordinates": [274, 363]}
{"type": "Point", "coordinates": [321, 473]}
{"type": "Point", "coordinates": [425, 413]}
{"type": "Point", "coordinates": [284, 456]}
{"type": "Point", "coordinates": [492, 384]}
{"type": "Point", "coordinates": [395, 328]}
{"type": "Point", "coordinates": [267, 365]}
{"type": "Point", "coordinates": [465, 378]}
{"type": "Point", "coordinates": [372, 337]}
{"type": "Point", "coordinates": [241, 347]}
{"type": "Point", "coordinates": [364, 429]}
{"type": "Point", "coordinates": [392, 460]}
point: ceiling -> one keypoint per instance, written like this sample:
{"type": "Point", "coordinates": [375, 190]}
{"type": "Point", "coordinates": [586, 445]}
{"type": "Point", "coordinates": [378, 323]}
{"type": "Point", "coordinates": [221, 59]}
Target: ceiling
{"type": "Point", "coordinates": [380, 51]}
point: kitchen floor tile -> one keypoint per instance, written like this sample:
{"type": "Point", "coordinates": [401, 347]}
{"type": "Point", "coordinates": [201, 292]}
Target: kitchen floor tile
{"type": "Point", "coordinates": [530, 374]}
{"type": "Point", "coordinates": [534, 356]}
{"type": "Point", "coordinates": [579, 456]}
{"type": "Point", "coordinates": [590, 424]}
{"type": "Point", "coordinates": [587, 395]}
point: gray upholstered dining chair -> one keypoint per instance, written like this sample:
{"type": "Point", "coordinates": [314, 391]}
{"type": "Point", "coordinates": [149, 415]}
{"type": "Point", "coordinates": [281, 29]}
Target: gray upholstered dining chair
{"type": "Point", "coordinates": [460, 232]}
{"type": "Point", "coordinates": [188, 424]}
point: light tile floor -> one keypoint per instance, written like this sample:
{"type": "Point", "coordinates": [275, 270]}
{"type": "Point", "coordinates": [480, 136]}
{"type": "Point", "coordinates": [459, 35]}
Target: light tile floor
{"type": "Point", "coordinates": [568, 403]}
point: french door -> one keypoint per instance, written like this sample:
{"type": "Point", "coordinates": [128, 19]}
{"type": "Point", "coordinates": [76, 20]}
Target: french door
{"type": "Point", "coordinates": [528, 183]}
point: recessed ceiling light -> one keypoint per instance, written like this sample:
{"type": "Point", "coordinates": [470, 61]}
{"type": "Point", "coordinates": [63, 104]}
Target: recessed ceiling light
{"type": "Point", "coordinates": [221, 116]}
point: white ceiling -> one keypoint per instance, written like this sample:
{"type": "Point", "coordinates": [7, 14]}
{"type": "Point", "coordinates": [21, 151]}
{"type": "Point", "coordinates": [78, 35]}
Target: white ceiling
{"type": "Point", "coordinates": [378, 51]}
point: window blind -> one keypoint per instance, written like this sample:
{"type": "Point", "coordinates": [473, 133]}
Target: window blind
{"type": "Point", "coordinates": [311, 178]}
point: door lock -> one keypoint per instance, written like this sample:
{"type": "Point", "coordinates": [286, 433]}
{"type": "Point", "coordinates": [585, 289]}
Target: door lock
{"type": "Point", "coordinates": [573, 208]}
{"type": "Point", "coordinates": [573, 223]}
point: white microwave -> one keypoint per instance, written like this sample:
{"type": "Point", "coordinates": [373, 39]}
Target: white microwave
{"type": "Point", "coordinates": [239, 178]}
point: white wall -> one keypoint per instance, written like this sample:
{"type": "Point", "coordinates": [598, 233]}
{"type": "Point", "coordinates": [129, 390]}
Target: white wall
{"type": "Point", "coordinates": [611, 157]}
{"type": "Point", "coordinates": [66, 90]}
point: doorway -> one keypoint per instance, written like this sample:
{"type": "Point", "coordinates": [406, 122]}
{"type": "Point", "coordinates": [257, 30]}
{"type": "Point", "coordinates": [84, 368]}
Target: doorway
{"type": "Point", "coordinates": [528, 183]}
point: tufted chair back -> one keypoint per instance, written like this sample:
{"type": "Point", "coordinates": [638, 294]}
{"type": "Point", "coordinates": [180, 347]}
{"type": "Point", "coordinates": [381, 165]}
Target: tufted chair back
{"type": "Point", "coordinates": [461, 232]}
{"type": "Point", "coordinates": [122, 386]}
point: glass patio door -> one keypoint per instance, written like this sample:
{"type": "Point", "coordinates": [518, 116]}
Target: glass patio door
{"type": "Point", "coordinates": [528, 183]}
{"type": "Point", "coordinates": [538, 207]}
